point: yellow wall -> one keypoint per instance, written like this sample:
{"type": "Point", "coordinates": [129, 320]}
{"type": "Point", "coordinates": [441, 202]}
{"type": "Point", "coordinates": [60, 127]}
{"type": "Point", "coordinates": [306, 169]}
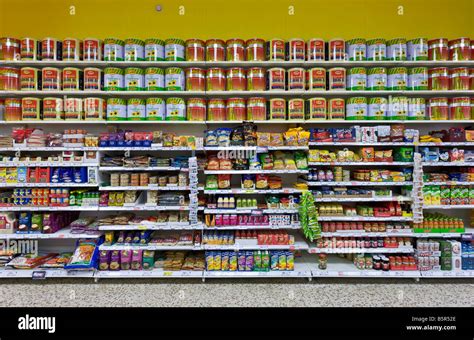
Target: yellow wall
{"type": "Point", "coordinates": [231, 18]}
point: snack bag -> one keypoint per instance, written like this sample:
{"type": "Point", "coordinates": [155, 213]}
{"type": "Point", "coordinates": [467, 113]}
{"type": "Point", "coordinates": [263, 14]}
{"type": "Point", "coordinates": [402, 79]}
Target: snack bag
{"type": "Point", "coordinates": [85, 255]}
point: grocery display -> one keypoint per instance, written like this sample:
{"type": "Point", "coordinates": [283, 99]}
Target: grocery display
{"type": "Point", "coordinates": [164, 157]}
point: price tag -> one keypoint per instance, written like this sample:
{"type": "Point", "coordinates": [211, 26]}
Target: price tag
{"type": "Point", "coordinates": [38, 275]}
{"type": "Point", "coordinates": [167, 273]}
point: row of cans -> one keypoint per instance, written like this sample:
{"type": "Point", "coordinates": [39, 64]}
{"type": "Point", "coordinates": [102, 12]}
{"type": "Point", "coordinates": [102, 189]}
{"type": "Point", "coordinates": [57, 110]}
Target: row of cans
{"type": "Point", "coordinates": [250, 260]}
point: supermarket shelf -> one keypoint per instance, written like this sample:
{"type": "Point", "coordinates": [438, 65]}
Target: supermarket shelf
{"type": "Point", "coordinates": [145, 188]}
{"type": "Point", "coordinates": [49, 273]}
{"type": "Point", "coordinates": [448, 183]}
{"type": "Point", "coordinates": [153, 226]}
{"type": "Point", "coordinates": [360, 144]}
{"type": "Point", "coordinates": [363, 218]}
{"type": "Point", "coordinates": [253, 191]}
{"type": "Point", "coordinates": [438, 274]}
{"type": "Point", "coordinates": [363, 199]}
{"type": "Point", "coordinates": [151, 148]}
{"type": "Point", "coordinates": [103, 122]}
{"type": "Point", "coordinates": [61, 234]}
{"type": "Point", "coordinates": [254, 148]}
{"type": "Point", "coordinates": [141, 168]}
{"type": "Point", "coordinates": [301, 270]}
{"type": "Point", "coordinates": [360, 163]}
{"type": "Point", "coordinates": [357, 183]}
{"type": "Point", "coordinates": [250, 211]}
{"type": "Point", "coordinates": [442, 235]}
{"type": "Point", "coordinates": [30, 208]}
{"type": "Point", "coordinates": [252, 245]}
{"type": "Point", "coordinates": [447, 143]}
{"type": "Point", "coordinates": [48, 185]}
{"type": "Point", "coordinates": [153, 273]}
{"type": "Point", "coordinates": [144, 207]}
{"type": "Point", "coordinates": [47, 164]}
{"type": "Point", "coordinates": [362, 233]}
{"type": "Point", "coordinates": [447, 164]}
{"type": "Point", "coordinates": [399, 250]}
{"type": "Point", "coordinates": [149, 247]}
{"type": "Point", "coordinates": [274, 121]}
{"type": "Point", "coordinates": [255, 227]}
{"type": "Point", "coordinates": [43, 149]}
{"type": "Point", "coordinates": [246, 172]}
{"type": "Point", "coordinates": [134, 94]}
{"type": "Point", "coordinates": [446, 207]}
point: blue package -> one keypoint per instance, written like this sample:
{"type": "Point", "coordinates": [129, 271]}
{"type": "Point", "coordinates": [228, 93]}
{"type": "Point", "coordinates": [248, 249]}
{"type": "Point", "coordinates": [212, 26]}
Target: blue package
{"type": "Point", "coordinates": [86, 255]}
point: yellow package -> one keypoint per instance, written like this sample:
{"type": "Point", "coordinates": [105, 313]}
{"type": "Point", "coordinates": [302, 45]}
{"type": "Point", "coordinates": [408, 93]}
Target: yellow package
{"type": "Point", "coordinates": [313, 155]}
{"type": "Point", "coordinates": [303, 137]}
{"type": "Point", "coordinates": [291, 136]}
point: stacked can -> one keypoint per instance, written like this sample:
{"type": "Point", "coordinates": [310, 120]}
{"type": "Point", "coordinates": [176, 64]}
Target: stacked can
{"type": "Point", "coordinates": [113, 49]}
{"type": "Point", "coordinates": [154, 49]}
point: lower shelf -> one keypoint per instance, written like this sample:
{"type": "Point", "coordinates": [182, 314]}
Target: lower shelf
{"type": "Point", "coordinates": [48, 273]}
{"type": "Point", "coordinates": [154, 273]}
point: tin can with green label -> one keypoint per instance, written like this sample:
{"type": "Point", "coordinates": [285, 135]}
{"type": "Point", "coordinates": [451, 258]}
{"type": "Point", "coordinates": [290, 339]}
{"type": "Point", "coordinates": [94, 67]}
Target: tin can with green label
{"type": "Point", "coordinates": [356, 108]}
{"type": "Point", "coordinates": [418, 78]}
{"type": "Point", "coordinates": [356, 49]}
{"type": "Point", "coordinates": [174, 79]}
{"type": "Point", "coordinates": [397, 49]}
{"type": "Point", "coordinates": [378, 107]}
{"type": "Point", "coordinates": [116, 109]}
{"type": "Point", "coordinates": [416, 109]}
{"type": "Point", "coordinates": [417, 49]}
{"type": "Point", "coordinates": [398, 108]}
{"type": "Point", "coordinates": [154, 79]}
{"type": "Point", "coordinates": [136, 109]}
{"type": "Point", "coordinates": [134, 49]}
{"type": "Point", "coordinates": [174, 50]}
{"type": "Point", "coordinates": [175, 109]}
{"type": "Point", "coordinates": [134, 79]}
{"type": "Point", "coordinates": [155, 109]}
{"type": "Point", "coordinates": [356, 79]}
{"type": "Point", "coordinates": [113, 49]}
{"type": "Point", "coordinates": [376, 49]}
{"type": "Point", "coordinates": [154, 50]}
{"type": "Point", "coordinates": [377, 79]}
{"type": "Point", "coordinates": [397, 78]}
{"type": "Point", "coordinates": [113, 79]}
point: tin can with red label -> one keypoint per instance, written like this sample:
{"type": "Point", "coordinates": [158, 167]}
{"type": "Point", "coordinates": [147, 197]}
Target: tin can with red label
{"type": "Point", "coordinates": [256, 79]}
{"type": "Point", "coordinates": [51, 77]}
{"type": "Point", "coordinates": [30, 49]}
{"type": "Point", "coordinates": [9, 49]}
{"type": "Point", "coordinates": [9, 79]}
{"type": "Point", "coordinates": [255, 49]}
{"type": "Point", "coordinates": [316, 79]}
{"type": "Point", "coordinates": [438, 49]}
{"type": "Point", "coordinates": [215, 50]}
{"type": "Point", "coordinates": [337, 49]}
{"type": "Point", "coordinates": [72, 49]}
{"type": "Point", "coordinates": [296, 79]}
{"type": "Point", "coordinates": [256, 108]}
{"type": "Point", "coordinates": [277, 109]}
{"type": "Point", "coordinates": [196, 109]}
{"type": "Point", "coordinates": [459, 79]}
{"type": "Point", "coordinates": [95, 108]}
{"type": "Point", "coordinates": [92, 49]}
{"type": "Point", "coordinates": [316, 108]}
{"type": "Point", "coordinates": [276, 78]}
{"type": "Point", "coordinates": [236, 79]}
{"type": "Point", "coordinates": [438, 79]}
{"type": "Point", "coordinates": [315, 50]}
{"type": "Point", "coordinates": [53, 108]}
{"type": "Point", "coordinates": [51, 49]}
{"type": "Point", "coordinates": [336, 108]}
{"type": "Point", "coordinates": [195, 79]}
{"type": "Point", "coordinates": [215, 80]}
{"type": "Point", "coordinates": [296, 109]}
{"type": "Point", "coordinates": [276, 50]}
{"type": "Point", "coordinates": [195, 50]}
{"type": "Point", "coordinates": [296, 50]}
{"type": "Point", "coordinates": [460, 49]}
{"type": "Point", "coordinates": [30, 79]}
{"type": "Point", "coordinates": [471, 79]}
{"type": "Point", "coordinates": [73, 108]}
{"type": "Point", "coordinates": [235, 50]}
{"type": "Point", "coordinates": [12, 109]}
{"type": "Point", "coordinates": [72, 79]}
{"type": "Point", "coordinates": [337, 78]}
{"type": "Point", "coordinates": [216, 110]}
{"type": "Point", "coordinates": [30, 108]}
{"type": "Point", "coordinates": [236, 109]}
{"type": "Point", "coordinates": [460, 108]}
{"type": "Point", "coordinates": [93, 79]}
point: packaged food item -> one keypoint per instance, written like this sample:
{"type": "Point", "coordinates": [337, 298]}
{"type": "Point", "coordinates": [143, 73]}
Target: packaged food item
{"type": "Point", "coordinates": [113, 49]}
{"type": "Point", "coordinates": [30, 49]}
{"type": "Point", "coordinates": [134, 79]}
{"type": "Point", "coordinates": [248, 182]}
{"type": "Point", "coordinates": [377, 79]}
{"type": "Point", "coordinates": [276, 50]}
{"type": "Point", "coordinates": [336, 108]}
{"type": "Point", "coordinates": [236, 109]}
{"type": "Point", "coordinates": [417, 49]}
{"type": "Point", "coordinates": [397, 78]}
{"type": "Point", "coordinates": [277, 108]}
{"type": "Point", "coordinates": [174, 79]}
{"type": "Point", "coordinates": [356, 79]}
{"type": "Point", "coordinates": [85, 255]}
{"type": "Point", "coordinates": [460, 108]}
{"type": "Point", "coordinates": [316, 79]}
{"type": "Point", "coordinates": [315, 49]}
{"type": "Point", "coordinates": [51, 79]}
{"type": "Point", "coordinates": [236, 79]}
{"type": "Point", "coordinates": [356, 49]}
{"type": "Point", "coordinates": [316, 108]}
{"type": "Point", "coordinates": [9, 79]}
{"type": "Point", "coordinates": [459, 79]}
{"type": "Point", "coordinates": [255, 49]}
{"type": "Point", "coordinates": [256, 108]}
{"type": "Point", "coordinates": [72, 79]}
{"type": "Point", "coordinates": [460, 49]}
{"type": "Point", "coordinates": [113, 79]}
{"type": "Point", "coordinates": [30, 108]}
{"type": "Point", "coordinates": [336, 49]}
{"type": "Point", "coordinates": [356, 108]}
{"type": "Point", "coordinates": [378, 107]}
{"type": "Point", "coordinates": [235, 50]}
{"type": "Point", "coordinates": [195, 50]}
{"type": "Point", "coordinates": [416, 109]}
{"type": "Point", "coordinates": [296, 79]}
{"type": "Point", "coordinates": [13, 110]}
{"type": "Point", "coordinates": [438, 49]}
{"type": "Point", "coordinates": [256, 80]}
{"type": "Point", "coordinates": [276, 79]}
{"type": "Point", "coordinates": [9, 49]}
{"type": "Point", "coordinates": [376, 49]}
{"type": "Point", "coordinates": [216, 109]}
{"type": "Point", "coordinates": [261, 181]}
{"type": "Point", "coordinates": [418, 79]}
{"type": "Point", "coordinates": [154, 79]}
{"type": "Point", "coordinates": [337, 78]}
{"type": "Point", "coordinates": [91, 49]}
{"type": "Point", "coordinates": [196, 109]}
{"type": "Point", "coordinates": [296, 109]}
{"type": "Point", "coordinates": [53, 108]}
{"type": "Point", "coordinates": [73, 108]}
{"type": "Point", "coordinates": [136, 109]}
{"type": "Point", "coordinates": [154, 49]}
{"type": "Point", "coordinates": [215, 80]}
{"type": "Point", "coordinates": [94, 108]}
{"type": "Point", "coordinates": [215, 50]}
{"type": "Point", "coordinates": [134, 49]}
{"type": "Point", "coordinates": [116, 109]}
{"type": "Point", "coordinates": [223, 181]}
{"type": "Point", "coordinates": [51, 49]}
{"type": "Point", "coordinates": [174, 49]}
{"type": "Point", "coordinates": [195, 79]}
{"type": "Point", "coordinates": [397, 49]}
{"type": "Point", "coordinates": [93, 79]}
{"type": "Point", "coordinates": [296, 49]}
{"type": "Point", "coordinates": [398, 108]}
{"type": "Point", "coordinates": [438, 79]}
{"type": "Point", "coordinates": [175, 109]}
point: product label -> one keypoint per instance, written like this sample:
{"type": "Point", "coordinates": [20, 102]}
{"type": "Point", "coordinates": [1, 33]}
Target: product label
{"type": "Point", "coordinates": [71, 78]}
{"type": "Point", "coordinates": [316, 50]}
{"type": "Point", "coordinates": [297, 49]}
{"type": "Point", "coordinates": [174, 80]}
{"type": "Point", "coordinates": [155, 110]}
{"type": "Point", "coordinates": [92, 79]}
{"type": "Point", "coordinates": [277, 109]}
{"type": "Point", "coordinates": [134, 82]}
{"type": "Point", "coordinates": [276, 79]}
{"type": "Point", "coordinates": [174, 52]}
{"type": "Point", "coordinates": [154, 52]}
{"type": "Point", "coordinates": [51, 79]}
{"type": "Point", "coordinates": [113, 82]}
{"type": "Point", "coordinates": [376, 50]}
{"type": "Point", "coordinates": [154, 82]}
{"type": "Point", "coordinates": [116, 111]}
{"type": "Point", "coordinates": [337, 79]}
{"type": "Point", "coordinates": [336, 109]}
{"type": "Point", "coordinates": [397, 81]}
{"type": "Point", "coordinates": [28, 79]}
{"type": "Point", "coordinates": [317, 108]}
{"type": "Point", "coordinates": [296, 79]}
{"type": "Point", "coordinates": [113, 52]}
{"type": "Point", "coordinates": [296, 109]}
{"type": "Point", "coordinates": [356, 49]}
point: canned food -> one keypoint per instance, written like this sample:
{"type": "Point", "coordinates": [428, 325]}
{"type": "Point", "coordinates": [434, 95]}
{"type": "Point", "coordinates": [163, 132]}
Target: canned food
{"type": "Point", "coordinates": [315, 50]}
{"type": "Point", "coordinates": [154, 50]}
{"type": "Point", "coordinates": [92, 79]}
{"type": "Point", "coordinates": [236, 79]}
{"type": "Point", "coordinates": [215, 50]}
{"type": "Point", "coordinates": [337, 78]}
{"type": "Point", "coordinates": [276, 50]}
{"type": "Point", "coordinates": [296, 109]}
{"type": "Point", "coordinates": [277, 109]}
{"type": "Point", "coordinates": [116, 109]}
{"type": "Point", "coordinates": [72, 49]}
{"type": "Point", "coordinates": [174, 79]}
{"type": "Point", "coordinates": [398, 108]}
{"type": "Point", "coordinates": [397, 78]}
{"type": "Point", "coordinates": [30, 79]}
{"type": "Point", "coordinates": [154, 79]}
{"type": "Point", "coordinates": [174, 50]}
{"type": "Point", "coordinates": [94, 108]}
{"type": "Point", "coordinates": [9, 49]}
{"type": "Point", "coordinates": [9, 79]}
{"type": "Point", "coordinates": [416, 109]}
{"type": "Point", "coordinates": [215, 79]}
{"type": "Point", "coordinates": [296, 79]}
{"type": "Point", "coordinates": [30, 108]}
{"type": "Point", "coordinates": [51, 49]}
{"type": "Point", "coordinates": [134, 79]}
{"type": "Point", "coordinates": [459, 78]}
{"type": "Point", "coordinates": [438, 108]}
{"type": "Point", "coordinates": [113, 79]}
{"type": "Point", "coordinates": [256, 108]}
{"type": "Point", "coordinates": [73, 108]}
{"type": "Point", "coordinates": [316, 109]}
{"type": "Point", "coordinates": [195, 50]}
{"type": "Point", "coordinates": [30, 49]}
{"type": "Point", "coordinates": [460, 49]}
{"type": "Point", "coordinates": [256, 79]}
{"type": "Point", "coordinates": [72, 79]}
{"type": "Point", "coordinates": [175, 109]}
{"type": "Point", "coordinates": [195, 79]}
{"type": "Point", "coordinates": [92, 49]}
{"type": "Point", "coordinates": [438, 79]}
{"type": "Point", "coordinates": [356, 79]}
{"type": "Point", "coordinates": [255, 49]}
{"type": "Point", "coordinates": [51, 79]}
{"type": "Point", "coordinates": [134, 50]}
{"type": "Point", "coordinates": [235, 50]}
{"type": "Point", "coordinates": [136, 109]}
{"type": "Point", "coordinates": [438, 49]}
{"type": "Point", "coordinates": [356, 49]}
{"type": "Point", "coordinates": [378, 107]}
{"type": "Point", "coordinates": [418, 78]}
{"type": "Point", "coordinates": [376, 49]}
{"type": "Point", "coordinates": [296, 50]}
{"type": "Point", "coordinates": [336, 108]}
{"type": "Point", "coordinates": [216, 110]}
{"type": "Point", "coordinates": [397, 49]}
{"type": "Point", "coordinates": [13, 111]}
{"type": "Point", "coordinates": [114, 49]}
{"type": "Point", "coordinates": [377, 79]}
{"type": "Point", "coordinates": [356, 108]}
{"type": "Point", "coordinates": [196, 109]}
{"type": "Point", "coordinates": [417, 49]}
{"type": "Point", "coordinates": [460, 108]}
{"type": "Point", "coordinates": [236, 109]}
{"type": "Point", "coordinates": [53, 108]}
{"type": "Point", "coordinates": [155, 109]}
{"type": "Point", "coordinates": [316, 79]}
{"type": "Point", "coordinates": [276, 78]}
{"type": "Point", "coordinates": [337, 50]}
